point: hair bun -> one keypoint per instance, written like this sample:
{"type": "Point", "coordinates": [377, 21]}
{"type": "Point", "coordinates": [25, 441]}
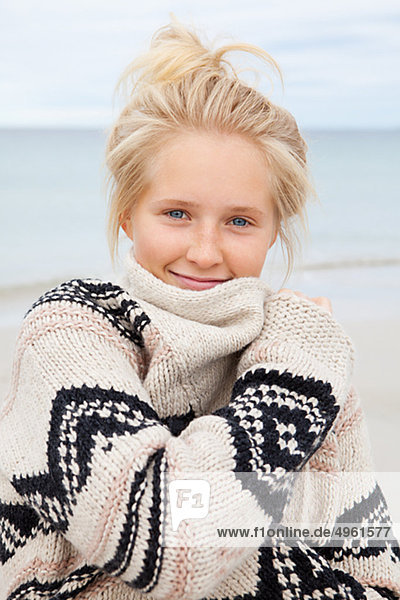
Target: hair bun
{"type": "Point", "coordinates": [176, 51]}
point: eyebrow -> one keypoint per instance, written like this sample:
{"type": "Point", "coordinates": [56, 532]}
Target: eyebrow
{"type": "Point", "coordinates": [236, 208]}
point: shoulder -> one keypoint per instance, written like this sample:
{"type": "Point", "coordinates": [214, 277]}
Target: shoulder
{"type": "Point", "coordinates": [95, 293]}
{"type": "Point", "coordinates": [102, 300]}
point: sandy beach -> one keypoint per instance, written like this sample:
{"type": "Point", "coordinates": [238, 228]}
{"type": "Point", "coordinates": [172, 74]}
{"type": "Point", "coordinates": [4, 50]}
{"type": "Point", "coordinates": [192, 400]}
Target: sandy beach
{"type": "Point", "coordinates": [377, 360]}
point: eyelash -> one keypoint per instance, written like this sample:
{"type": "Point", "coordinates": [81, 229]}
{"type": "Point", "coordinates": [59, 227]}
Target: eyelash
{"type": "Point", "coordinates": [168, 213]}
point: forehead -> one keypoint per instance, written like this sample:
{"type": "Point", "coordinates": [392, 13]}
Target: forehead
{"type": "Point", "coordinates": [201, 164]}
{"type": "Point", "coordinates": [204, 144]}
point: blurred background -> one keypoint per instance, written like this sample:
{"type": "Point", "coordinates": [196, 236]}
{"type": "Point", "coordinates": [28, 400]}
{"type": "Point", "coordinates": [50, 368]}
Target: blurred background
{"type": "Point", "coordinates": [341, 67]}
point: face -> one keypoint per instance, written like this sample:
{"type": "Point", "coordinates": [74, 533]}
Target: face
{"type": "Point", "coordinates": [207, 214]}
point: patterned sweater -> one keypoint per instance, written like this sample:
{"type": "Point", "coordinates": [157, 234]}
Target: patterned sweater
{"type": "Point", "coordinates": [116, 385]}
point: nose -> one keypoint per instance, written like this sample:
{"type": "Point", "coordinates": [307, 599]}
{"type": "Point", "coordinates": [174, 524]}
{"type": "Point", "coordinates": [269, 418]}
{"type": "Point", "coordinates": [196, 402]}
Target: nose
{"type": "Point", "coordinates": [204, 248]}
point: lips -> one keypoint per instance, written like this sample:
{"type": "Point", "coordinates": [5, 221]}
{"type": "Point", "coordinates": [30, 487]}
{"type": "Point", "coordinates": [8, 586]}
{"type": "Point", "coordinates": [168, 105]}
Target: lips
{"type": "Point", "coordinates": [196, 284]}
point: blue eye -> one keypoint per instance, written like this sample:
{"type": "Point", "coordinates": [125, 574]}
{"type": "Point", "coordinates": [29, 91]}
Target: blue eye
{"type": "Point", "coordinates": [175, 214]}
{"type": "Point", "coordinates": [242, 222]}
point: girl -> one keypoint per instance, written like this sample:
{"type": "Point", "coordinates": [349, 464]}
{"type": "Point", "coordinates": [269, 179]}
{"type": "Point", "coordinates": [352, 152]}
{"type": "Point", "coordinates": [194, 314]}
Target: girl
{"type": "Point", "coordinates": [189, 363]}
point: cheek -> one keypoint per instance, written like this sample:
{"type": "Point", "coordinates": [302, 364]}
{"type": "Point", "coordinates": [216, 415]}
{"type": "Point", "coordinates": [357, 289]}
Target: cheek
{"type": "Point", "coordinates": [248, 264]}
{"type": "Point", "coordinates": [249, 256]}
{"type": "Point", "coordinates": [143, 243]}
{"type": "Point", "coordinates": [157, 246]}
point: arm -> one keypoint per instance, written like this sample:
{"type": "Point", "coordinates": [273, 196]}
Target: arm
{"type": "Point", "coordinates": [342, 493]}
{"type": "Point", "coordinates": [377, 563]}
{"type": "Point", "coordinates": [84, 447]}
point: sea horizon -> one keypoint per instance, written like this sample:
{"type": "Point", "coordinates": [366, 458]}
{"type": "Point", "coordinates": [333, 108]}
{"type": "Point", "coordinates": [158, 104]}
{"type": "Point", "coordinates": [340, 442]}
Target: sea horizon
{"type": "Point", "coordinates": [54, 208]}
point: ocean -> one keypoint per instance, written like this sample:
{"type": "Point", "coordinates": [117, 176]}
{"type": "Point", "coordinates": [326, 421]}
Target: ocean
{"type": "Point", "coordinates": [53, 217]}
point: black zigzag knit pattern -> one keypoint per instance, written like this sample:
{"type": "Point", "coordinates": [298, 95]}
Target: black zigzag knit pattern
{"type": "Point", "coordinates": [98, 440]}
{"type": "Point", "coordinates": [67, 588]}
{"type": "Point", "coordinates": [106, 298]}
{"type": "Point", "coordinates": [280, 419]}
{"type": "Point", "coordinates": [19, 524]}
{"type": "Point", "coordinates": [82, 419]}
{"type": "Point", "coordinates": [277, 421]}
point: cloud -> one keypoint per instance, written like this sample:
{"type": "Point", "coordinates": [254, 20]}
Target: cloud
{"type": "Point", "coordinates": [61, 60]}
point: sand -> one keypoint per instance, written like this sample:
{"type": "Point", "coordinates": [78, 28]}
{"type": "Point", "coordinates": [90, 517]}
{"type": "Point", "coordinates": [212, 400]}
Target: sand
{"type": "Point", "coordinates": [377, 362]}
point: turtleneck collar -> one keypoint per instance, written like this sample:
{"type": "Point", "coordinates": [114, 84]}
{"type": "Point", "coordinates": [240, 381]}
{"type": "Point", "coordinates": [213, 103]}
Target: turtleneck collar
{"type": "Point", "coordinates": [220, 305]}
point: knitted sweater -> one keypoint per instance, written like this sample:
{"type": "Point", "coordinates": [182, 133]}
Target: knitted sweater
{"type": "Point", "coordinates": [116, 384]}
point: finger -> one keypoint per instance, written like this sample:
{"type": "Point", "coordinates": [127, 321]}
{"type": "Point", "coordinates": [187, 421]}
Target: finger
{"type": "Point", "coordinates": [323, 302]}
{"type": "Point", "coordinates": [296, 292]}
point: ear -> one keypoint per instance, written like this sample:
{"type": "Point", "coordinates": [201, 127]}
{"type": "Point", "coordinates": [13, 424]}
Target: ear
{"type": "Point", "coordinates": [274, 239]}
{"type": "Point", "coordinates": [125, 223]}
{"type": "Point", "coordinates": [126, 228]}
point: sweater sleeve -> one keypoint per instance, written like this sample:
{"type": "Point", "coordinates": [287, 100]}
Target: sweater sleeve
{"type": "Point", "coordinates": [82, 444]}
{"type": "Point", "coordinates": [375, 562]}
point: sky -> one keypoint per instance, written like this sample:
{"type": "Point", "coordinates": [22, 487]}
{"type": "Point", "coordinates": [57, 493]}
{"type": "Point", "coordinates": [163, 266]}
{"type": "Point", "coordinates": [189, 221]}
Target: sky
{"type": "Point", "coordinates": [59, 61]}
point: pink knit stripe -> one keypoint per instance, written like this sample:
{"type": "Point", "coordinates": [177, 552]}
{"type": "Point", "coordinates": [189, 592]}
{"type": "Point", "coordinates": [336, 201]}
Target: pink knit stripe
{"type": "Point", "coordinates": [47, 318]}
{"type": "Point", "coordinates": [329, 447]}
{"type": "Point", "coordinates": [38, 567]}
{"type": "Point", "coordinates": [96, 548]}
{"type": "Point", "coordinates": [184, 566]}
{"type": "Point", "coordinates": [323, 467]}
{"type": "Point", "coordinates": [379, 581]}
{"type": "Point", "coordinates": [327, 456]}
{"type": "Point", "coordinates": [181, 568]}
{"type": "Point", "coordinates": [112, 506]}
{"type": "Point", "coordinates": [52, 316]}
{"type": "Point", "coordinates": [158, 348]}
{"type": "Point", "coordinates": [350, 415]}
{"type": "Point", "coordinates": [102, 584]}
{"type": "Point", "coordinates": [180, 572]}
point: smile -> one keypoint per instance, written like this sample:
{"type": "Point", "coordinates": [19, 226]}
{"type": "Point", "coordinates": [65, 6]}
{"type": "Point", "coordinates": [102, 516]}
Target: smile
{"type": "Point", "coordinates": [197, 283]}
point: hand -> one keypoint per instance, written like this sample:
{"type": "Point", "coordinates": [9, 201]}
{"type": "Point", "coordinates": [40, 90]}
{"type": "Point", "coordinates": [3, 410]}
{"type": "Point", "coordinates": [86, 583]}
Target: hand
{"type": "Point", "coordinates": [320, 300]}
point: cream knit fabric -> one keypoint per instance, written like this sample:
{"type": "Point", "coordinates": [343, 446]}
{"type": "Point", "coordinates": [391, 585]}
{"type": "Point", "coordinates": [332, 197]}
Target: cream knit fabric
{"type": "Point", "coordinates": [117, 384]}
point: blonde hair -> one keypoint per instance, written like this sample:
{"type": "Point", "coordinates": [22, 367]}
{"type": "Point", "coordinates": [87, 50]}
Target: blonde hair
{"type": "Point", "coordinates": [180, 85]}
